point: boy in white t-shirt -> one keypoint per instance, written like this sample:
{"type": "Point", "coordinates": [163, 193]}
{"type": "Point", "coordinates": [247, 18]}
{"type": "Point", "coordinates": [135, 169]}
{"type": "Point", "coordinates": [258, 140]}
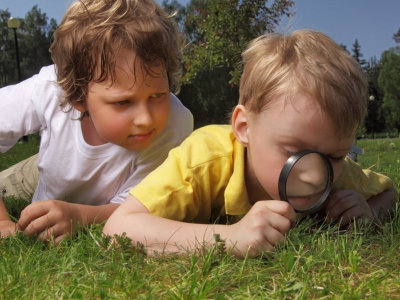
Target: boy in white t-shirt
{"type": "Point", "coordinates": [104, 111]}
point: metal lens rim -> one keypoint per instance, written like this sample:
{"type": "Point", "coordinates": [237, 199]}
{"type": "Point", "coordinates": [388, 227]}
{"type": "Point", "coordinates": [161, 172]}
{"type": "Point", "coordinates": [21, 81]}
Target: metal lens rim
{"type": "Point", "coordinates": [287, 167]}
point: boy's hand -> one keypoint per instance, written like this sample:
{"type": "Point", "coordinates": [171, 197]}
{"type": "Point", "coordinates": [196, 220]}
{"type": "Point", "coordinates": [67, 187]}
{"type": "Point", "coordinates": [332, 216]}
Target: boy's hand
{"type": "Point", "coordinates": [346, 206]}
{"type": "Point", "coordinates": [7, 227]}
{"type": "Point", "coordinates": [49, 219]}
{"type": "Point", "coordinates": [262, 228]}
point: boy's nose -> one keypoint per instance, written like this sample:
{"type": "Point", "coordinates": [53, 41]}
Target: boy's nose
{"type": "Point", "coordinates": [315, 176]}
{"type": "Point", "coordinates": [312, 169]}
{"type": "Point", "coordinates": [143, 117]}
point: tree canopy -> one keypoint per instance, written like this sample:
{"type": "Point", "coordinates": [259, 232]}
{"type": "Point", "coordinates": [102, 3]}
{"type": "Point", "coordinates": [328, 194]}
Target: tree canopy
{"type": "Point", "coordinates": [389, 79]}
{"type": "Point", "coordinates": [34, 39]}
{"type": "Point", "coordinates": [215, 33]}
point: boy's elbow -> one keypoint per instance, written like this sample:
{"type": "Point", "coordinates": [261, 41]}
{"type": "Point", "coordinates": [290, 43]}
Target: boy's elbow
{"type": "Point", "coordinates": [112, 227]}
{"type": "Point", "coordinates": [124, 217]}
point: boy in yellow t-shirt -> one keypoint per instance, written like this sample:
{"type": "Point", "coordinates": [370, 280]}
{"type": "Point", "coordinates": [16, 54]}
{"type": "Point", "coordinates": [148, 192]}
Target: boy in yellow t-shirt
{"type": "Point", "coordinates": [300, 91]}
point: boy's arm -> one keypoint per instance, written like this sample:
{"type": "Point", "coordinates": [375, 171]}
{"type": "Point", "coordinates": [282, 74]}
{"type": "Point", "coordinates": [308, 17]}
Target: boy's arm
{"type": "Point", "coordinates": [347, 205]}
{"type": "Point", "coordinates": [57, 219]}
{"type": "Point", "coordinates": [383, 204]}
{"type": "Point", "coordinates": [262, 228]}
{"type": "Point", "coordinates": [7, 226]}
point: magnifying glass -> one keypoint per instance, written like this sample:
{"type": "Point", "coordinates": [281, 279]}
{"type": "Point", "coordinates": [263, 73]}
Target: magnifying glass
{"type": "Point", "coordinates": [306, 180]}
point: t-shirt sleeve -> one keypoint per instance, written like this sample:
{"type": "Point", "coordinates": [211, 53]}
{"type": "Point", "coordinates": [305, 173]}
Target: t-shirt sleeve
{"type": "Point", "coordinates": [168, 191]}
{"type": "Point", "coordinates": [363, 181]}
{"type": "Point", "coordinates": [190, 184]}
{"type": "Point", "coordinates": [18, 113]}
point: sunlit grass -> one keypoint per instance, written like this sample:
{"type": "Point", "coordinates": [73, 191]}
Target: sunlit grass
{"type": "Point", "coordinates": [317, 261]}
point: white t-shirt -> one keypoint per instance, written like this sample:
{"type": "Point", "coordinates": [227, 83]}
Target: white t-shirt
{"type": "Point", "coordinates": [69, 168]}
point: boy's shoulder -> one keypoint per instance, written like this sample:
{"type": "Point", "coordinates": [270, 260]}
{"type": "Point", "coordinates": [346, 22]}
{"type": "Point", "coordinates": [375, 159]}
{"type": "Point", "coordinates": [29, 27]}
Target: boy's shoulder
{"type": "Point", "coordinates": [48, 73]}
{"type": "Point", "coordinates": [208, 143]}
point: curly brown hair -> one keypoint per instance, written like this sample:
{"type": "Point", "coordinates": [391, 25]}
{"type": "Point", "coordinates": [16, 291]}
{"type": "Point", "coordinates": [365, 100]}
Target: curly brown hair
{"type": "Point", "coordinates": [93, 33]}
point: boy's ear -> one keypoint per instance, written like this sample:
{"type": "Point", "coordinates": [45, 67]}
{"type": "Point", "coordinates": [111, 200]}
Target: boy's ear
{"type": "Point", "coordinates": [240, 123]}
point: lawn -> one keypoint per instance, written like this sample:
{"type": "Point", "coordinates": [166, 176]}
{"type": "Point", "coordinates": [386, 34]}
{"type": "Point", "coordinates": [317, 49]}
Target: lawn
{"type": "Point", "coordinates": [317, 261]}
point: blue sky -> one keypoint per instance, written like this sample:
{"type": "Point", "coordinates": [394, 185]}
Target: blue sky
{"type": "Point", "coordinates": [371, 22]}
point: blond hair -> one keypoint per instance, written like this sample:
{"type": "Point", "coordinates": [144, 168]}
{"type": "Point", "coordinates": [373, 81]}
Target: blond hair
{"type": "Point", "coordinates": [307, 62]}
{"type": "Point", "coordinates": [93, 33]}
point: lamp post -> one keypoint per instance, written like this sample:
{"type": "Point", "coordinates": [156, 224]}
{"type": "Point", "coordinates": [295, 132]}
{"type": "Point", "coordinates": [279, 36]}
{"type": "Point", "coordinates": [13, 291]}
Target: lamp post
{"type": "Point", "coordinates": [14, 24]}
{"type": "Point", "coordinates": [372, 98]}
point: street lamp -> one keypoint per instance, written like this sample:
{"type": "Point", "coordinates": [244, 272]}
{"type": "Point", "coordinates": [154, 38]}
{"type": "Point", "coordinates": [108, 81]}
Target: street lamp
{"type": "Point", "coordinates": [372, 98]}
{"type": "Point", "coordinates": [14, 24]}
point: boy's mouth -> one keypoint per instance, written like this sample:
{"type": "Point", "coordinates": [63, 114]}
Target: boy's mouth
{"type": "Point", "coordinates": [306, 201]}
{"type": "Point", "coordinates": [143, 136]}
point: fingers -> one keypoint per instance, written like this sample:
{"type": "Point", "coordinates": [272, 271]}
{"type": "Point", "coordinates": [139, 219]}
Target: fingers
{"type": "Point", "coordinates": [47, 231]}
{"type": "Point", "coordinates": [37, 226]}
{"type": "Point", "coordinates": [265, 244]}
{"type": "Point", "coordinates": [48, 220]}
{"type": "Point", "coordinates": [341, 196]}
{"type": "Point", "coordinates": [285, 210]}
{"type": "Point", "coordinates": [263, 228]}
{"type": "Point", "coordinates": [347, 205]}
{"type": "Point", "coordinates": [30, 213]}
{"type": "Point", "coordinates": [52, 235]}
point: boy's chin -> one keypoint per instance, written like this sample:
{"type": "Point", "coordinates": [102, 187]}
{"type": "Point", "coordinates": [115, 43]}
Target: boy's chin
{"type": "Point", "coordinates": [137, 146]}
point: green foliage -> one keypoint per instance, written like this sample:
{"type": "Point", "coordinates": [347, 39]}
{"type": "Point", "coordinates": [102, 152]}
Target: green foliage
{"type": "Point", "coordinates": [211, 98]}
{"type": "Point", "coordinates": [389, 78]}
{"type": "Point", "coordinates": [375, 120]}
{"type": "Point", "coordinates": [217, 32]}
{"type": "Point", "coordinates": [396, 36]}
{"type": "Point", "coordinates": [223, 30]}
{"type": "Point", "coordinates": [356, 50]}
{"type": "Point", "coordinates": [8, 65]}
{"type": "Point", "coordinates": [34, 39]}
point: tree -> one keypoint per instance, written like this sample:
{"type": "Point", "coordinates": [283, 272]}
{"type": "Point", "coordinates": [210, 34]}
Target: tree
{"type": "Point", "coordinates": [396, 36]}
{"type": "Point", "coordinates": [375, 120]}
{"type": "Point", "coordinates": [216, 33]}
{"type": "Point", "coordinates": [356, 50]}
{"type": "Point", "coordinates": [344, 47]}
{"type": "Point", "coordinates": [389, 78]}
{"type": "Point", "coordinates": [222, 30]}
{"type": "Point", "coordinates": [8, 65]}
{"type": "Point", "coordinates": [34, 40]}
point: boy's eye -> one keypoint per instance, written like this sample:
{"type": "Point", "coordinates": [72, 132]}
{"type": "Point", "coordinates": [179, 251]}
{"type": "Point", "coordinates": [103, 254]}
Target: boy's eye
{"type": "Point", "coordinates": [288, 153]}
{"type": "Point", "coordinates": [336, 159]}
{"type": "Point", "coordinates": [120, 103]}
{"type": "Point", "coordinates": [157, 95]}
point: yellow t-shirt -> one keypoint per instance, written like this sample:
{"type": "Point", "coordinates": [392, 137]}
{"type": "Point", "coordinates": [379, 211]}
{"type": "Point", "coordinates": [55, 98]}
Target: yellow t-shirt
{"type": "Point", "coordinates": [363, 181]}
{"type": "Point", "coordinates": [203, 179]}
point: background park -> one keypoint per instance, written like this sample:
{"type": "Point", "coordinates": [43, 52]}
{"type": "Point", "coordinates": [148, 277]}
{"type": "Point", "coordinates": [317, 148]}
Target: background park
{"type": "Point", "coordinates": [322, 263]}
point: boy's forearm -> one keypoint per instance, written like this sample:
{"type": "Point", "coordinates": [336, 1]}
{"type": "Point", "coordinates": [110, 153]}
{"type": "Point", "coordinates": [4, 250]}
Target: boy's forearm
{"type": "Point", "coordinates": [3, 212]}
{"type": "Point", "coordinates": [161, 235]}
{"type": "Point", "coordinates": [6, 225]}
{"type": "Point", "coordinates": [383, 204]}
{"type": "Point", "coordinates": [89, 214]}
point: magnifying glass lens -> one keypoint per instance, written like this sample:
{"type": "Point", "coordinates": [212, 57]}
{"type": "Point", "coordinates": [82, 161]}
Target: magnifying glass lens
{"type": "Point", "coordinates": [306, 180]}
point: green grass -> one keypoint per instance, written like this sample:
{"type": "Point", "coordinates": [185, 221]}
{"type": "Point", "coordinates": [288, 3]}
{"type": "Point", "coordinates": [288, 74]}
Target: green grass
{"type": "Point", "coordinates": [318, 263]}
{"type": "Point", "coordinates": [19, 152]}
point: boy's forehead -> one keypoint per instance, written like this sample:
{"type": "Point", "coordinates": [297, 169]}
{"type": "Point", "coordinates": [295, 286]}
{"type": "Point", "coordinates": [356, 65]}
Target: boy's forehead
{"type": "Point", "coordinates": [298, 102]}
{"type": "Point", "coordinates": [302, 119]}
{"type": "Point", "coordinates": [130, 68]}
